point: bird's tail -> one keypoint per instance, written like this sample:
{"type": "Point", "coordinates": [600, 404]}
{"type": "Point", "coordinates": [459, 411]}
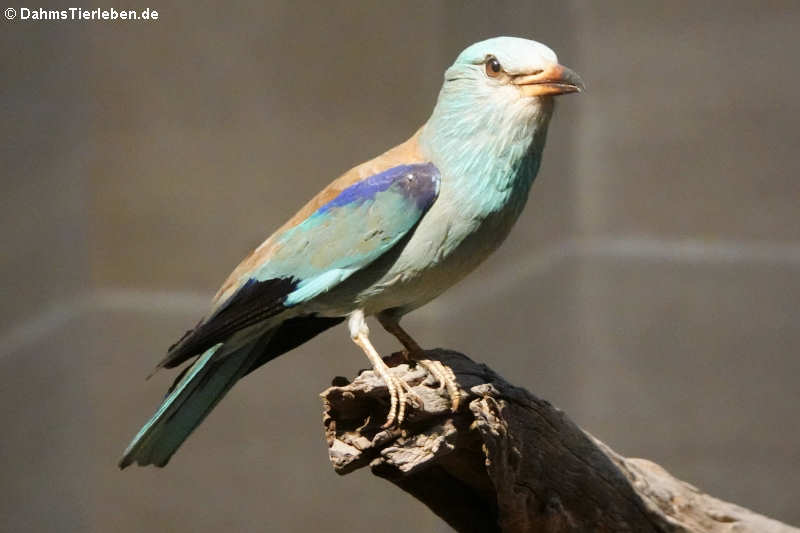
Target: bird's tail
{"type": "Point", "coordinates": [194, 394]}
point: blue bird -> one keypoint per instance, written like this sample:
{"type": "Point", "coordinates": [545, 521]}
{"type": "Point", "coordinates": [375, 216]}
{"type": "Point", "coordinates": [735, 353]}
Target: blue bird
{"type": "Point", "coordinates": [383, 239]}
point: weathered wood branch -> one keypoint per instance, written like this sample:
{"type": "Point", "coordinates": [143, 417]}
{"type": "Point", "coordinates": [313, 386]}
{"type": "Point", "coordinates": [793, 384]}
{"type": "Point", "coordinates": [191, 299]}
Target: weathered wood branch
{"type": "Point", "coordinates": [508, 461]}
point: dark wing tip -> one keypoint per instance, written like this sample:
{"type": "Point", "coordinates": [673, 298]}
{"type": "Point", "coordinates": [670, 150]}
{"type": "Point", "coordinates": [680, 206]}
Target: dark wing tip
{"type": "Point", "coordinates": [253, 302]}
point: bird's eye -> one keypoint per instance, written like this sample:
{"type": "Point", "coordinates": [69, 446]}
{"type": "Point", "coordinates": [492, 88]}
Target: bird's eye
{"type": "Point", "coordinates": [493, 67]}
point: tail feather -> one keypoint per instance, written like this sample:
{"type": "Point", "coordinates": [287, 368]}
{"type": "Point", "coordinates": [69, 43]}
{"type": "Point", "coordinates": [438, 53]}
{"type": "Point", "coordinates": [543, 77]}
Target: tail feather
{"type": "Point", "coordinates": [190, 400]}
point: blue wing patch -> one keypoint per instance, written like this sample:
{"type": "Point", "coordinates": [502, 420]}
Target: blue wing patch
{"type": "Point", "coordinates": [352, 230]}
{"type": "Point", "coordinates": [420, 182]}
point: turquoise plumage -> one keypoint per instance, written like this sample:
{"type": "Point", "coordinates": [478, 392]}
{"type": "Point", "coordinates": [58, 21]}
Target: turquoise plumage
{"type": "Point", "coordinates": [383, 239]}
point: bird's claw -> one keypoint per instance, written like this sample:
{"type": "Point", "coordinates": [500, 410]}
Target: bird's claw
{"type": "Point", "coordinates": [446, 378]}
{"type": "Point", "coordinates": [400, 393]}
{"type": "Point", "coordinates": [440, 372]}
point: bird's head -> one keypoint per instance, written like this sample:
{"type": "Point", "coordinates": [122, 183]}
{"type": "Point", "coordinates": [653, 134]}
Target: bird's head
{"type": "Point", "coordinates": [505, 81]}
{"type": "Point", "coordinates": [511, 69]}
{"type": "Point", "coordinates": [497, 99]}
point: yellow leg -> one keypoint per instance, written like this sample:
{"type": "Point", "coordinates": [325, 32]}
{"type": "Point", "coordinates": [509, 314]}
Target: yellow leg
{"type": "Point", "coordinates": [398, 388]}
{"type": "Point", "coordinates": [443, 374]}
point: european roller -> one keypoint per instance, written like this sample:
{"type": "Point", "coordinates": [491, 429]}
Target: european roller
{"type": "Point", "coordinates": [383, 239]}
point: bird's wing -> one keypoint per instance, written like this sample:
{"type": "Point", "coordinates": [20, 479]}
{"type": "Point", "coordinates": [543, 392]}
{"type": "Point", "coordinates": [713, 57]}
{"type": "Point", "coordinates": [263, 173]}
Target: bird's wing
{"type": "Point", "coordinates": [300, 261]}
{"type": "Point", "coordinates": [403, 154]}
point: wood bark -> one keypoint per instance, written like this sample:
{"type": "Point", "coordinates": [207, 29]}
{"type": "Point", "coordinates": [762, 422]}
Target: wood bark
{"type": "Point", "coordinates": [510, 462]}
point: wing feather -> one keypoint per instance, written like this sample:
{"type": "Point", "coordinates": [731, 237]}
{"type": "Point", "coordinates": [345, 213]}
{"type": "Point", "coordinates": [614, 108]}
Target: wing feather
{"type": "Point", "coordinates": [405, 153]}
{"type": "Point", "coordinates": [340, 237]}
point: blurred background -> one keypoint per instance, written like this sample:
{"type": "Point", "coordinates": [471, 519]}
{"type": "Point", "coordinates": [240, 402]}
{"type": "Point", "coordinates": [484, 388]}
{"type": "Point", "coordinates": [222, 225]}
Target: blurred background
{"type": "Point", "coordinates": [651, 288]}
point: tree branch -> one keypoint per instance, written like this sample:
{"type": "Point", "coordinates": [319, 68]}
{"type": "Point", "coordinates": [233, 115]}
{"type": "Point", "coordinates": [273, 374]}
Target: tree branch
{"type": "Point", "coordinates": [508, 461]}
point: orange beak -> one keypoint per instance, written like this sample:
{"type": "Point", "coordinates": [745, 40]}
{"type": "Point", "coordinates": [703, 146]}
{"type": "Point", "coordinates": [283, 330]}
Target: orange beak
{"type": "Point", "coordinates": [553, 79]}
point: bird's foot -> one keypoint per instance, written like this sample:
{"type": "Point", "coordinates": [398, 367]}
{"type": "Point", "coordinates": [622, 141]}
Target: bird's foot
{"type": "Point", "coordinates": [400, 393]}
{"type": "Point", "coordinates": [414, 353]}
{"type": "Point", "coordinates": [442, 373]}
{"type": "Point", "coordinates": [446, 378]}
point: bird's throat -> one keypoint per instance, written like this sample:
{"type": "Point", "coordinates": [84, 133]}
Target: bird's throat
{"type": "Point", "coordinates": [488, 163]}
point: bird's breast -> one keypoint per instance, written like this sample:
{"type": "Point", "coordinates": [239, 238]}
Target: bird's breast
{"type": "Point", "coordinates": [461, 229]}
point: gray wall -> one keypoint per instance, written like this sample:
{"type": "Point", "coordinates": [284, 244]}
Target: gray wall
{"type": "Point", "coordinates": [650, 289]}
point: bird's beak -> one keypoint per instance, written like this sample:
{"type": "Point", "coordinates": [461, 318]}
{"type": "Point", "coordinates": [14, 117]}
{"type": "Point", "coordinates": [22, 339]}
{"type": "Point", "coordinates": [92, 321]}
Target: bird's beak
{"type": "Point", "coordinates": [551, 80]}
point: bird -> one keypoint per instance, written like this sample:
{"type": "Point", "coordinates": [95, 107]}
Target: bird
{"type": "Point", "coordinates": [382, 240]}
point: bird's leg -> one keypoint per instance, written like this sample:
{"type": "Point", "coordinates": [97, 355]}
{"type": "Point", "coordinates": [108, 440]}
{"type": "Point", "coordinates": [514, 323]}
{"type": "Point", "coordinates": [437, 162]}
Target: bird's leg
{"type": "Point", "coordinates": [398, 388]}
{"type": "Point", "coordinates": [443, 373]}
